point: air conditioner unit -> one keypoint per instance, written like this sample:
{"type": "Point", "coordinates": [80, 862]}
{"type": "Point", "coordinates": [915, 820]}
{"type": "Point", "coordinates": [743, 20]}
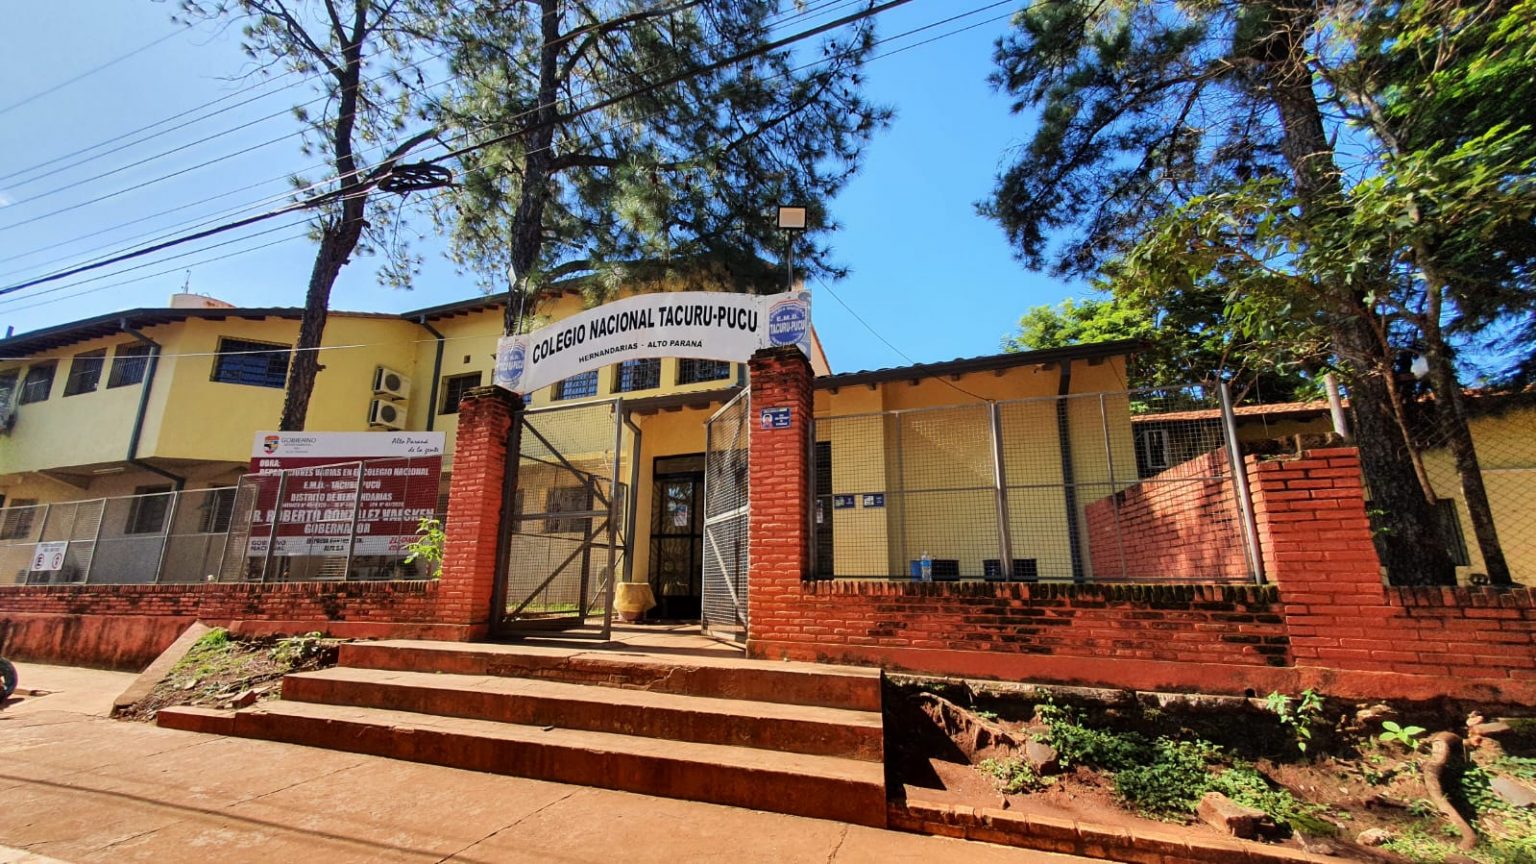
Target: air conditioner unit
{"type": "Point", "coordinates": [390, 415]}
{"type": "Point", "coordinates": [390, 384]}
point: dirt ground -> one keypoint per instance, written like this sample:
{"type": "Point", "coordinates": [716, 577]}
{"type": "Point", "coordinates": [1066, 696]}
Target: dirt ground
{"type": "Point", "coordinates": [222, 672]}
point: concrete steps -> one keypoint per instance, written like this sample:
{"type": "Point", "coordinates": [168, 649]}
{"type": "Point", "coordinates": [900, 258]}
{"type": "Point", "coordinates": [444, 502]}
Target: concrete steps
{"type": "Point", "coordinates": [803, 739]}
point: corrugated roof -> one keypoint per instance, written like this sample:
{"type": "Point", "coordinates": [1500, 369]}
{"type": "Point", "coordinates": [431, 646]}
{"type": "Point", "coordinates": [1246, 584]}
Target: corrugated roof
{"type": "Point", "coordinates": [987, 363]}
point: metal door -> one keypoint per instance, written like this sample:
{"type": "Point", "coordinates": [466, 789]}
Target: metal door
{"type": "Point", "coordinates": [726, 520]}
{"type": "Point", "coordinates": [564, 544]}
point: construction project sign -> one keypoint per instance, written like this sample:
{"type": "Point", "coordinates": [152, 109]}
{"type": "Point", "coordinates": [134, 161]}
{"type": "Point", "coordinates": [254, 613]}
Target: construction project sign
{"type": "Point", "coordinates": [341, 493]}
{"type": "Point", "coordinates": [703, 325]}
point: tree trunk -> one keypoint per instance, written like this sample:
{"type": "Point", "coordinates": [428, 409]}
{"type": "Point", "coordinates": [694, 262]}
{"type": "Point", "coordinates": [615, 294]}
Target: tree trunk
{"type": "Point", "coordinates": [1451, 412]}
{"type": "Point", "coordinates": [528, 220]}
{"type": "Point", "coordinates": [336, 245]}
{"type": "Point", "coordinates": [1410, 546]}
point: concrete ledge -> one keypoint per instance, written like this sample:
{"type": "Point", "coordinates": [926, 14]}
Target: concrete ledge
{"type": "Point", "coordinates": [209, 721]}
{"type": "Point", "coordinates": [1149, 845]}
{"type": "Point", "coordinates": [161, 667]}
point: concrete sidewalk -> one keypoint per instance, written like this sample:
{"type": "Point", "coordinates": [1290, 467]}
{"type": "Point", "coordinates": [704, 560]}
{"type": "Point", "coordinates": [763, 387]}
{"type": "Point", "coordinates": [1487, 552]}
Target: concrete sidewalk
{"type": "Point", "coordinates": [75, 787]}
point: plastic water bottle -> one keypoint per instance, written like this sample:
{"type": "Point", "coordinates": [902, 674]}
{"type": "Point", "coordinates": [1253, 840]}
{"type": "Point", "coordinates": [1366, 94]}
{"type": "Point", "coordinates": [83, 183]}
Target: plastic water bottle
{"type": "Point", "coordinates": [925, 568]}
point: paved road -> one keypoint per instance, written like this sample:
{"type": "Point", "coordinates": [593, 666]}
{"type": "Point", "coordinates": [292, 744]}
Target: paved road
{"type": "Point", "coordinates": [77, 787]}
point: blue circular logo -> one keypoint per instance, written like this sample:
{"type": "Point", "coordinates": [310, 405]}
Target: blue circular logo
{"type": "Point", "coordinates": [789, 322]}
{"type": "Point", "coordinates": [512, 364]}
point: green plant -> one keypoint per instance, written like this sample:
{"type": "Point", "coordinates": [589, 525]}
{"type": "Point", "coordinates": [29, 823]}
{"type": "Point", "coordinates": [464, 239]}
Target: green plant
{"type": "Point", "coordinates": [1014, 775]}
{"type": "Point", "coordinates": [1244, 784]}
{"type": "Point", "coordinates": [1171, 784]}
{"type": "Point", "coordinates": [428, 545]}
{"type": "Point", "coordinates": [1077, 744]}
{"type": "Point", "coordinates": [985, 715]}
{"type": "Point", "coordinates": [1298, 715]}
{"type": "Point", "coordinates": [295, 650]}
{"type": "Point", "coordinates": [213, 640]}
{"type": "Point", "coordinates": [1517, 766]}
{"type": "Point", "coordinates": [1408, 736]}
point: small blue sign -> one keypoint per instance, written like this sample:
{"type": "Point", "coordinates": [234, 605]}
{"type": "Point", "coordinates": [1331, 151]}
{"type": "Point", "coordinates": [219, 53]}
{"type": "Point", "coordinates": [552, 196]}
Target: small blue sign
{"type": "Point", "coordinates": [843, 502]}
{"type": "Point", "coordinates": [874, 499]}
{"type": "Point", "coordinates": [777, 418]}
{"type": "Point", "coordinates": [789, 322]}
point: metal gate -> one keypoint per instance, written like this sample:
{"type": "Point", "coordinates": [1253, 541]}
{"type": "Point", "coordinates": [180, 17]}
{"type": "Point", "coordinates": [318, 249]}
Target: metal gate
{"type": "Point", "coordinates": [726, 520]}
{"type": "Point", "coordinates": [566, 538]}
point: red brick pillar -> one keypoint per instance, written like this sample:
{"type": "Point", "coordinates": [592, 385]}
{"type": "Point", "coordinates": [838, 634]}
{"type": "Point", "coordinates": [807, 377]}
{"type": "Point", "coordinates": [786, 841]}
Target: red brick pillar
{"type": "Point", "coordinates": [1317, 546]}
{"type": "Point", "coordinates": [478, 493]}
{"type": "Point", "coordinates": [779, 512]}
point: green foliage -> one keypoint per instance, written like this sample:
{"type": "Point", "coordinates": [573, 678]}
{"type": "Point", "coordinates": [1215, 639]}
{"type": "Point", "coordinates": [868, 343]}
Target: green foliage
{"type": "Point", "coordinates": [1244, 784]}
{"type": "Point", "coordinates": [1014, 775]}
{"type": "Point", "coordinates": [1077, 744]}
{"type": "Point", "coordinates": [1172, 783]}
{"type": "Point", "coordinates": [1522, 767]}
{"type": "Point", "coordinates": [1299, 715]}
{"type": "Point", "coordinates": [1408, 736]}
{"type": "Point", "coordinates": [213, 640]}
{"type": "Point", "coordinates": [429, 545]}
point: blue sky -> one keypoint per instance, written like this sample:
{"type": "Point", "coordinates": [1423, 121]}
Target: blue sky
{"type": "Point", "coordinates": [927, 273]}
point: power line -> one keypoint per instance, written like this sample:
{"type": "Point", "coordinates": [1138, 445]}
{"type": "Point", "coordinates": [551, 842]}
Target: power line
{"type": "Point", "coordinates": [748, 54]}
{"type": "Point", "coordinates": [810, 11]}
{"type": "Point", "coordinates": [87, 73]}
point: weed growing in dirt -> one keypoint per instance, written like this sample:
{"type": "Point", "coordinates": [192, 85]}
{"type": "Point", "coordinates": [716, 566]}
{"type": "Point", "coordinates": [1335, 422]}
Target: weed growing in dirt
{"type": "Point", "coordinates": [1408, 736]}
{"type": "Point", "coordinates": [1299, 715]}
{"type": "Point", "coordinates": [1014, 775]}
{"type": "Point", "coordinates": [1077, 744]}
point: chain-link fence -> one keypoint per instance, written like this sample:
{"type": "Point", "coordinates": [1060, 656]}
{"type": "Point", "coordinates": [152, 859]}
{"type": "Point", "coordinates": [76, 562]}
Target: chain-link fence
{"type": "Point", "coordinates": [1501, 459]}
{"type": "Point", "coordinates": [159, 537]}
{"type": "Point", "coordinates": [726, 519]}
{"type": "Point", "coordinates": [565, 544]}
{"type": "Point", "coordinates": [1127, 486]}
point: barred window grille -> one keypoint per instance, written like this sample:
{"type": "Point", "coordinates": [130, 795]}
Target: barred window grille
{"type": "Point", "coordinates": [691, 371]}
{"type": "Point", "coordinates": [85, 372]}
{"type": "Point", "coordinates": [128, 365]}
{"type": "Point", "coordinates": [639, 375]}
{"type": "Point", "coordinates": [38, 383]}
{"type": "Point", "coordinates": [454, 388]}
{"type": "Point", "coordinates": [16, 520]}
{"type": "Point", "coordinates": [577, 386]}
{"type": "Point", "coordinates": [259, 364]}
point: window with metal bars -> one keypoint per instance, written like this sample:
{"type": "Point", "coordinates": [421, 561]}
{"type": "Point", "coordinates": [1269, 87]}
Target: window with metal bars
{"type": "Point", "coordinates": [639, 375]}
{"type": "Point", "coordinates": [38, 383]}
{"type": "Point", "coordinates": [690, 371]}
{"type": "Point", "coordinates": [8, 387]}
{"type": "Point", "coordinates": [260, 364]}
{"type": "Point", "coordinates": [454, 388]}
{"type": "Point", "coordinates": [85, 372]}
{"type": "Point", "coordinates": [16, 519]}
{"type": "Point", "coordinates": [128, 365]}
{"type": "Point", "coordinates": [577, 386]}
{"type": "Point", "coordinates": [146, 513]}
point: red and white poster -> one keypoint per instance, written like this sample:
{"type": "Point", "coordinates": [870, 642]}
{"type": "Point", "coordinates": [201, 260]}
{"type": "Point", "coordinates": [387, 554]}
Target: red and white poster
{"type": "Point", "coordinates": [321, 488]}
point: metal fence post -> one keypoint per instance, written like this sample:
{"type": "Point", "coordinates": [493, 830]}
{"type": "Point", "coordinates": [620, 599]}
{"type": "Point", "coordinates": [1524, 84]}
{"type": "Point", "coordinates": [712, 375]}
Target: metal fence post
{"type": "Point", "coordinates": [815, 500]}
{"type": "Point", "coordinates": [1109, 460]}
{"type": "Point", "coordinates": [1240, 484]}
{"type": "Point", "coordinates": [277, 511]}
{"type": "Point", "coordinates": [165, 540]}
{"type": "Point", "coordinates": [613, 527]}
{"type": "Point", "coordinates": [357, 509]}
{"type": "Point", "coordinates": [96, 541]}
{"type": "Point", "coordinates": [1000, 483]}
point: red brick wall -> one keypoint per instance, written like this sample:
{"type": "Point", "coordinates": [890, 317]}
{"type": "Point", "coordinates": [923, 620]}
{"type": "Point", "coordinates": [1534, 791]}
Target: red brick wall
{"type": "Point", "coordinates": [1317, 545]}
{"type": "Point", "coordinates": [127, 626]}
{"type": "Point", "coordinates": [1180, 524]}
{"type": "Point", "coordinates": [1326, 620]}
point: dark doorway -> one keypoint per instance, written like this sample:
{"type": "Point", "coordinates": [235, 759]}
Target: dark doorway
{"type": "Point", "coordinates": [823, 514]}
{"type": "Point", "coordinates": [677, 538]}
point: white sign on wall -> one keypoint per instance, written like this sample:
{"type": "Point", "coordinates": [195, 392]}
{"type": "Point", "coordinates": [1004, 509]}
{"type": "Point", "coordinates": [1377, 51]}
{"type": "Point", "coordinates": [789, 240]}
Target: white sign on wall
{"type": "Point", "coordinates": [704, 325]}
{"type": "Point", "coordinates": [49, 557]}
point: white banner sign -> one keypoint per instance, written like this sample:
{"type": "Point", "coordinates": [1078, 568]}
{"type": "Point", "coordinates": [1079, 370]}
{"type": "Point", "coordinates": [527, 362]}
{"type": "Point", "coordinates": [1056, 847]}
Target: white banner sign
{"type": "Point", "coordinates": [346, 446]}
{"type": "Point", "coordinates": [49, 557]}
{"type": "Point", "coordinates": [704, 325]}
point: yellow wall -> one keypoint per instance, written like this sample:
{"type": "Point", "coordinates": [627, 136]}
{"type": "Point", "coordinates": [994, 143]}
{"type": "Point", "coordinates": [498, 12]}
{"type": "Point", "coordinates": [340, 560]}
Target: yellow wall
{"type": "Point", "coordinates": [83, 429]}
{"type": "Point", "coordinates": [934, 461]}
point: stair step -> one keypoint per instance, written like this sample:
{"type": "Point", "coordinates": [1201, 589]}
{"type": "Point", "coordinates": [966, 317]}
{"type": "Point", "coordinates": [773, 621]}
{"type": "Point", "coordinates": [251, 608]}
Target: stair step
{"type": "Point", "coordinates": [847, 687]}
{"type": "Point", "coordinates": [794, 783]}
{"type": "Point", "coordinates": [537, 702]}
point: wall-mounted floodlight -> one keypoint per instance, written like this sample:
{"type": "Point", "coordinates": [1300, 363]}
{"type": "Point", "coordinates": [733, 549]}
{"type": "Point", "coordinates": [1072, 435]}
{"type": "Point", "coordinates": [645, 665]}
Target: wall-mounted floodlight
{"type": "Point", "coordinates": [792, 218]}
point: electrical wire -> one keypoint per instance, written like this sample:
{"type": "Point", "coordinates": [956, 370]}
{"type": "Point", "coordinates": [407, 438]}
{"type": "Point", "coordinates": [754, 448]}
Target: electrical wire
{"type": "Point", "coordinates": [808, 12]}
{"type": "Point", "coordinates": [609, 102]}
{"type": "Point", "coordinates": [87, 73]}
